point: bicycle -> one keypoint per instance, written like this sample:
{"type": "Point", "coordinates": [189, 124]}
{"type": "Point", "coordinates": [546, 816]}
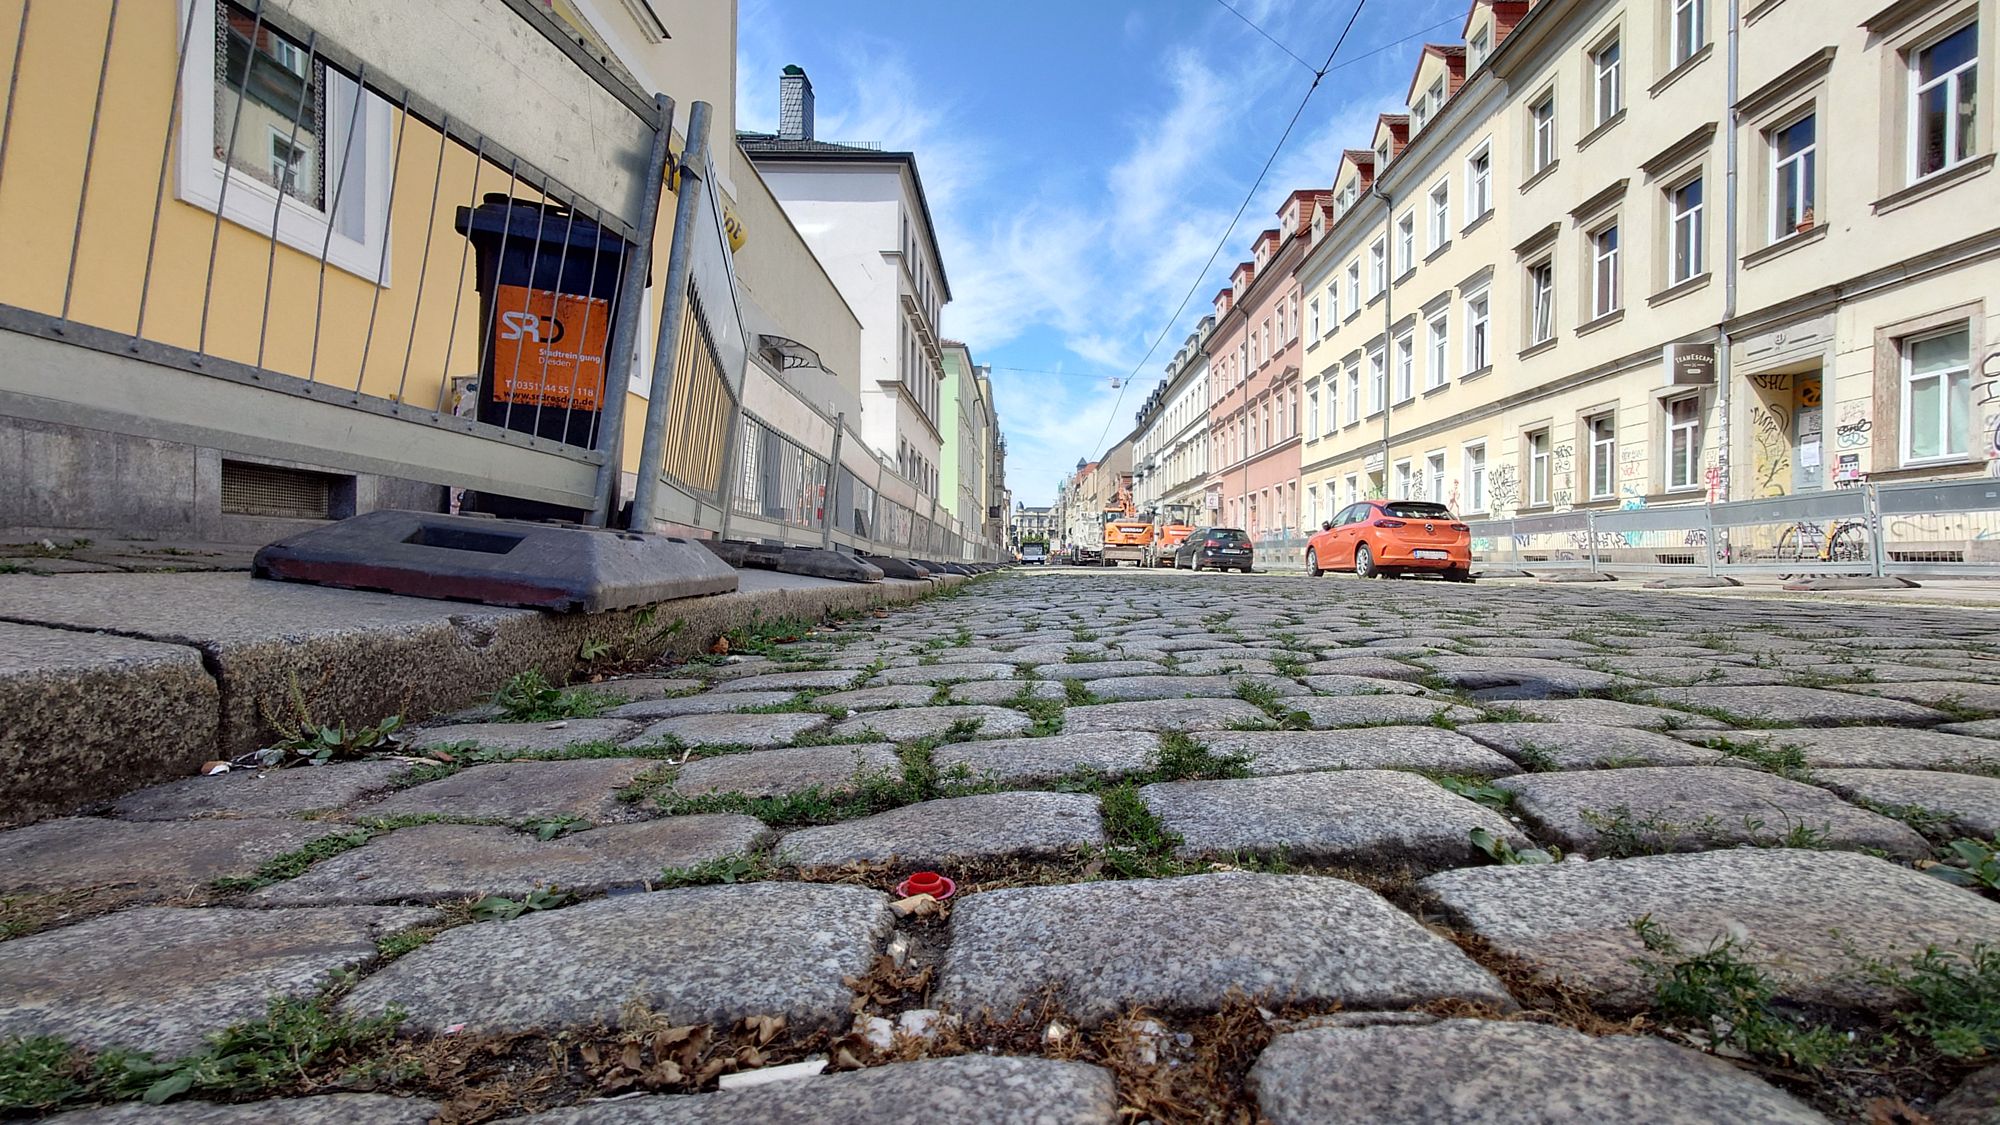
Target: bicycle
{"type": "Point", "coordinates": [1846, 543]}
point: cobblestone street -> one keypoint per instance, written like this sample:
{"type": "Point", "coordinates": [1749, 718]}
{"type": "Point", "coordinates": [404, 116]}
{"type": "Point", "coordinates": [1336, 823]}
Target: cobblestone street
{"type": "Point", "coordinates": [1223, 847]}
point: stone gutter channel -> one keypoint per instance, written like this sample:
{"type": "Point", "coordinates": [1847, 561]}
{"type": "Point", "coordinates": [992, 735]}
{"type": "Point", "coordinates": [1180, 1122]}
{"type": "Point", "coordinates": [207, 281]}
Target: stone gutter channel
{"type": "Point", "coordinates": [114, 681]}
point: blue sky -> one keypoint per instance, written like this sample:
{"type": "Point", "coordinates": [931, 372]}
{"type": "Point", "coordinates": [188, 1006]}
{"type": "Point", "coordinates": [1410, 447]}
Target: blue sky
{"type": "Point", "coordinates": [1082, 158]}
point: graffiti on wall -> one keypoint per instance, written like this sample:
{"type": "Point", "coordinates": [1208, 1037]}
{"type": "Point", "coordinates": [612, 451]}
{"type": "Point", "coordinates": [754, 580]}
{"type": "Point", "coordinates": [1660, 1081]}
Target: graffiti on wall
{"type": "Point", "coordinates": [1563, 458]}
{"type": "Point", "coordinates": [1770, 450]}
{"type": "Point", "coordinates": [1502, 489]}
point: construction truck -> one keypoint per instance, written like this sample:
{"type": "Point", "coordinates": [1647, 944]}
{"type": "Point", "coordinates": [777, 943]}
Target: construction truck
{"type": "Point", "coordinates": [1128, 536]}
{"type": "Point", "coordinates": [1172, 527]}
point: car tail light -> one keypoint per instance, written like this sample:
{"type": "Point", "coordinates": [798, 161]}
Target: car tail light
{"type": "Point", "coordinates": [1211, 542]}
{"type": "Point", "coordinates": [1460, 527]}
{"type": "Point", "coordinates": [1388, 523]}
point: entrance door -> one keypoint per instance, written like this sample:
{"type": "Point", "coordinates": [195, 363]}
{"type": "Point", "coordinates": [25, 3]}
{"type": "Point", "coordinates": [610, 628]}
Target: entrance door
{"type": "Point", "coordinates": [1808, 437]}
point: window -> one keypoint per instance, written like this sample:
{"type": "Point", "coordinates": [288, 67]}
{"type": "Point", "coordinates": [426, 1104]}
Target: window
{"type": "Point", "coordinates": [1312, 505]}
{"type": "Point", "coordinates": [1378, 267]}
{"type": "Point", "coordinates": [1794, 168]}
{"type": "Point", "coordinates": [1478, 308]}
{"type": "Point", "coordinates": [1541, 468]}
{"type": "Point", "coordinates": [1353, 489]}
{"type": "Point", "coordinates": [1603, 456]}
{"type": "Point", "coordinates": [1292, 413]}
{"type": "Point", "coordinates": [1312, 407]}
{"type": "Point", "coordinates": [1689, 35]}
{"type": "Point", "coordinates": [1378, 380]}
{"type": "Point", "coordinates": [1605, 292]}
{"type": "Point", "coordinates": [1475, 478]}
{"type": "Point", "coordinates": [1479, 184]}
{"type": "Point", "coordinates": [1436, 96]}
{"type": "Point", "coordinates": [1292, 319]}
{"type": "Point", "coordinates": [1332, 305]}
{"type": "Point", "coordinates": [1937, 396]}
{"type": "Point", "coordinates": [1606, 65]}
{"type": "Point", "coordinates": [1440, 214]}
{"type": "Point", "coordinates": [1434, 476]}
{"type": "Point", "coordinates": [1684, 443]}
{"type": "Point", "coordinates": [1354, 287]}
{"type": "Point", "coordinates": [1406, 367]}
{"type": "Point", "coordinates": [1402, 480]}
{"type": "Point", "coordinates": [1686, 235]}
{"type": "Point", "coordinates": [1312, 315]}
{"type": "Point", "coordinates": [1332, 417]}
{"type": "Point", "coordinates": [1267, 427]}
{"type": "Point", "coordinates": [1353, 396]}
{"type": "Point", "coordinates": [1541, 302]}
{"type": "Point", "coordinates": [1542, 128]}
{"type": "Point", "coordinates": [304, 148]}
{"type": "Point", "coordinates": [1475, 50]}
{"type": "Point", "coordinates": [1945, 105]}
{"type": "Point", "coordinates": [1381, 157]}
{"type": "Point", "coordinates": [1406, 241]}
{"type": "Point", "coordinates": [1440, 346]}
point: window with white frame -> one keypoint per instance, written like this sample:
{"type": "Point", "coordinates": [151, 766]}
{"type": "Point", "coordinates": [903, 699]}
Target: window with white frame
{"type": "Point", "coordinates": [1312, 407]}
{"type": "Point", "coordinates": [1436, 97]}
{"type": "Point", "coordinates": [1688, 34]}
{"type": "Point", "coordinates": [1944, 104]}
{"type": "Point", "coordinates": [1406, 241]}
{"type": "Point", "coordinates": [1434, 476]}
{"type": "Point", "coordinates": [1378, 267]}
{"type": "Point", "coordinates": [1402, 481]}
{"type": "Point", "coordinates": [1354, 287]}
{"type": "Point", "coordinates": [1440, 349]}
{"type": "Point", "coordinates": [1292, 412]}
{"type": "Point", "coordinates": [1332, 305]}
{"type": "Point", "coordinates": [1794, 176]}
{"type": "Point", "coordinates": [1474, 496]}
{"type": "Point", "coordinates": [1475, 50]}
{"type": "Point", "coordinates": [1608, 84]}
{"type": "Point", "coordinates": [1353, 395]}
{"type": "Point", "coordinates": [1542, 131]}
{"type": "Point", "coordinates": [1330, 421]}
{"type": "Point", "coordinates": [1406, 367]}
{"type": "Point", "coordinates": [1378, 380]}
{"type": "Point", "coordinates": [1541, 468]}
{"type": "Point", "coordinates": [1607, 296]}
{"type": "Point", "coordinates": [1353, 487]}
{"type": "Point", "coordinates": [1479, 183]}
{"type": "Point", "coordinates": [1312, 316]}
{"type": "Point", "coordinates": [305, 149]}
{"type": "Point", "coordinates": [1478, 329]}
{"type": "Point", "coordinates": [1440, 214]}
{"type": "Point", "coordinates": [1685, 233]}
{"type": "Point", "coordinates": [1684, 443]}
{"type": "Point", "coordinates": [1603, 432]}
{"type": "Point", "coordinates": [1312, 505]}
{"type": "Point", "coordinates": [1292, 319]}
{"type": "Point", "coordinates": [1937, 396]}
{"type": "Point", "coordinates": [1541, 301]}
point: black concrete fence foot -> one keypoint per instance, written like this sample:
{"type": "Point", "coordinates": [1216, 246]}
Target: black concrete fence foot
{"type": "Point", "coordinates": [818, 563]}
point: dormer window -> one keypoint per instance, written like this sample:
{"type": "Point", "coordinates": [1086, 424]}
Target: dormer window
{"type": "Point", "coordinates": [1475, 50]}
{"type": "Point", "coordinates": [1436, 96]}
{"type": "Point", "coordinates": [1382, 156]}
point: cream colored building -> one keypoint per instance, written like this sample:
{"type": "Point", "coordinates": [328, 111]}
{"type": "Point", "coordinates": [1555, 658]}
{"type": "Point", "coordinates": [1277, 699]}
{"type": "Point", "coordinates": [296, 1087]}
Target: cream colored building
{"type": "Point", "coordinates": [1778, 202]}
{"type": "Point", "coordinates": [1170, 447]}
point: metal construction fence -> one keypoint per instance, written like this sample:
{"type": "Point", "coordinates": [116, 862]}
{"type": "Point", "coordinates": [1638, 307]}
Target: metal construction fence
{"type": "Point", "coordinates": [313, 231]}
{"type": "Point", "coordinates": [1939, 528]}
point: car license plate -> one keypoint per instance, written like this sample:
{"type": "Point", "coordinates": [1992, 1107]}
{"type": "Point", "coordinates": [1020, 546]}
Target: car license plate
{"type": "Point", "coordinates": [1234, 551]}
{"type": "Point", "coordinates": [1432, 555]}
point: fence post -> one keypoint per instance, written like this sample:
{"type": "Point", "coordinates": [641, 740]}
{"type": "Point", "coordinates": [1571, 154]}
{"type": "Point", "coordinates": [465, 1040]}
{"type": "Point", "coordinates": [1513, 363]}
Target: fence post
{"type": "Point", "coordinates": [1878, 549]}
{"type": "Point", "coordinates": [652, 447]}
{"type": "Point", "coordinates": [1708, 536]}
{"type": "Point", "coordinates": [732, 442]}
{"type": "Point", "coordinates": [625, 338]}
{"type": "Point", "coordinates": [1590, 529]}
{"type": "Point", "coordinates": [832, 484]}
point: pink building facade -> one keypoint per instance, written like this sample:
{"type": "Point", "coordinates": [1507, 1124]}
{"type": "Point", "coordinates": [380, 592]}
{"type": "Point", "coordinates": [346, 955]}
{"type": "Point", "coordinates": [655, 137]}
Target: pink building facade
{"type": "Point", "coordinates": [1254, 383]}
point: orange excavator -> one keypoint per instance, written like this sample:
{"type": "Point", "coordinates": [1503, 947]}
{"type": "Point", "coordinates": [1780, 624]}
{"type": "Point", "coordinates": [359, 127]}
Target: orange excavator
{"type": "Point", "coordinates": [1127, 535]}
{"type": "Point", "coordinates": [1177, 525]}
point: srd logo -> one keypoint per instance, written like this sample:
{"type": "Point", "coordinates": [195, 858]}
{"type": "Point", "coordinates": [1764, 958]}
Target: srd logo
{"type": "Point", "coordinates": [522, 323]}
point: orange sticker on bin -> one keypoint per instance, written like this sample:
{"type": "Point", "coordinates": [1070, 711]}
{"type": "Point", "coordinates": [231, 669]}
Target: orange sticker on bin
{"type": "Point", "coordinates": [548, 347]}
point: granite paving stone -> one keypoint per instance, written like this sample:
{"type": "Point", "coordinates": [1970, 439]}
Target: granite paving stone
{"type": "Point", "coordinates": [262, 793]}
{"type": "Point", "coordinates": [1381, 818]}
{"type": "Point", "coordinates": [1797, 706]}
{"type": "Point", "coordinates": [1098, 947]}
{"type": "Point", "coordinates": [1584, 746]}
{"type": "Point", "coordinates": [1484, 1072]}
{"type": "Point", "coordinates": [964, 1090]}
{"type": "Point", "coordinates": [1120, 689]}
{"type": "Point", "coordinates": [710, 955]}
{"type": "Point", "coordinates": [942, 674]}
{"type": "Point", "coordinates": [1869, 747]}
{"type": "Point", "coordinates": [515, 791]}
{"type": "Point", "coordinates": [1021, 761]}
{"type": "Point", "coordinates": [1804, 916]}
{"type": "Point", "coordinates": [1361, 748]}
{"type": "Point", "coordinates": [1360, 685]}
{"type": "Point", "coordinates": [635, 688]}
{"type": "Point", "coordinates": [1100, 670]}
{"type": "Point", "coordinates": [328, 1109]}
{"type": "Point", "coordinates": [160, 978]}
{"type": "Point", "coordinates": [1162, 715]}
{"type": "Point", "coordinates": [997, 692]}
{"type": "Point", "coordinates": [1955, 694]}
{"type": "Point", "coordinates": [761, 731]}
{"type": "Point", "coordinates": [1697, 808]}
{"type": "Point", "coordinates": [954, 829]}
{"type": "Point", "coordinates": [158, 859]}
{"type": "Point", "coordinates": [1327, 712]}
{"type": "Point", "coordinates": [909, 723]}
{"type": "Point", "coordinates": [1977, 728]}
{"type": "Point", "coordinates": [833, 679]}
{"type": "Point", "coordinates": [1368, 664]}
{"type": "Point", "coordinates": [526, 738]}
{"type": "Point", "coordinates": [773, 773]}
{"type": "Point", "coordinates": [712, 703]}
{"type": "Point", "coordinates": [1226, 664]}
{"type": "Point", "coordinates": [1539, 677]}
{"type": "Point", "coordinates": [1970, 803]}
{"type": "Point", "coordinates": [1612, 713]}
{"type": "Point", "coordinates": [872, 698]}
{"type": "Point", "coordinates": [440, 862]}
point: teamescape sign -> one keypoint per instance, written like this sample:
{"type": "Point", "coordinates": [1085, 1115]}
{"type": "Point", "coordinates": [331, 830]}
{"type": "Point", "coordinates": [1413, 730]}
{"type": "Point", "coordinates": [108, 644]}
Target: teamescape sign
{"type": "Point", "coordinates": [548, 347]}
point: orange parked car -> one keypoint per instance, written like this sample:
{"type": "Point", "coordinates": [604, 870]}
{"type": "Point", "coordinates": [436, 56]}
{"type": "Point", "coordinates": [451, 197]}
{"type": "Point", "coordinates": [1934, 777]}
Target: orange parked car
{"type": "Point", "coordinates": [1383, 538]}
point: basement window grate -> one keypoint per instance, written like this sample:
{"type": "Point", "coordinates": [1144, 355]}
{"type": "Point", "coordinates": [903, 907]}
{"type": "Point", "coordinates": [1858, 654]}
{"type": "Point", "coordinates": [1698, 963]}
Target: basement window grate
{"type": "Point", "coordinates": [266, 490]}
{"type": "Point", "coordinates": [1933, 556]}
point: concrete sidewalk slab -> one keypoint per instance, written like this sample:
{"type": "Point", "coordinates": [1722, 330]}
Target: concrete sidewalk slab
{"type": "Point", "coordinates": [90, 716]}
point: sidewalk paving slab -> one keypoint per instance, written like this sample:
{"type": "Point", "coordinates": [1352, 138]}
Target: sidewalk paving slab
{"type": "Point", "coordinates": [711, 955]}
{"type": "Point", "coordinates": [160, 979]}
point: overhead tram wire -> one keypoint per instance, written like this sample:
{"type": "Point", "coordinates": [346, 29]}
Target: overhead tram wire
{"type": "Point", "coordinates": [1247, 22]}
{"type": "Point", "coordinates": [1319, 76]}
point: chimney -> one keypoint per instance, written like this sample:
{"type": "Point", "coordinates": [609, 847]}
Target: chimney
{"type": "Point", "coordinates": [795, 105]}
